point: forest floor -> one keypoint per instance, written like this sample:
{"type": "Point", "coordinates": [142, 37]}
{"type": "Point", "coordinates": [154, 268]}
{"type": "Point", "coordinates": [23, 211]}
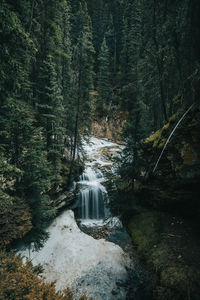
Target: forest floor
{"type": "Point", "coordinates": [170, 247]}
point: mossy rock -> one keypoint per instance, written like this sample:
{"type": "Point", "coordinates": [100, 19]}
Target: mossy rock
{"type": "Point", "coordinates": [154, 137]}
{"type": "Point", "coordinates": [159, 138]}
{"type": "Point", "coordinates": [144, 229]}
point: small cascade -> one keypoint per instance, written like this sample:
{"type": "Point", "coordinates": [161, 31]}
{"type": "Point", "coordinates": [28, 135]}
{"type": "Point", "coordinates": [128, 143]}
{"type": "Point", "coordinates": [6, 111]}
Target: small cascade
{"type": "Point", "coordinates": [92, 203]}
{"type": "Point", "coordinates": [88, 175]}
{"type": "Point", "coordinates": [91, 196]}
{"type": "Point", "coordinates": [71, 257]}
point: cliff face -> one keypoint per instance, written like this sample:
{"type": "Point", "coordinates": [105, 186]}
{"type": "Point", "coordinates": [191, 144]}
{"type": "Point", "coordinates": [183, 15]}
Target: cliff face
{"type": "Point", "coordinates": [109, 127]}
{"type": "Point", "coordinates": [175, 184]}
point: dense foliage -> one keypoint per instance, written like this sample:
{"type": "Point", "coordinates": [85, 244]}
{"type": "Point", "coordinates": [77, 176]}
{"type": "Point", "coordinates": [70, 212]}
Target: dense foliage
{"type": "Point", "coordinates": [147, 67]}
{"type": "Point", "coordinates": [158, 68]}
{"type": "Point", "coordinates": [141, 57]}
{"type": "Point", "coordinates": [46, 76]}
{"type": "Point", "coordinates": [64, 63]}
{"type": "Point", "coordinates": [159, 64]}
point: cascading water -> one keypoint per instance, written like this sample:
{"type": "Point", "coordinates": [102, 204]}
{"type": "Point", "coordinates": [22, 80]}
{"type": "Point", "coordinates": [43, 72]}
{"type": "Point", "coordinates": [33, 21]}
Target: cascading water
{"type": "Point", "coordinates": [91, 196]}
{"type": "Point", "coordinates": [75, 259]}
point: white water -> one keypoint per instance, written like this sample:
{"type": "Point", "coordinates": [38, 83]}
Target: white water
{"type": "Point", "coordinates": [74, 259]}
{"type": "Point", "coordinates": [91, 196]}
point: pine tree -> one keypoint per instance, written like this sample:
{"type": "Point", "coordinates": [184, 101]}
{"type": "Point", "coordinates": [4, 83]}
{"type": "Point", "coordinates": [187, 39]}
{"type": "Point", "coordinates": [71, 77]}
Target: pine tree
{"type": "Point", "coordinates": [67, 79]}
{"type": "Point", "coordinates": [83, 52]}
{"type": "Point", "coordinates": [51, 110]}
{"type": "Point", "coordinates": [112, 44]}
{"type": "Point", "coordinates": [34, 184]}
{"type": "Point", "coordinates": [99, 14]}
{"type": "Point", "coordinates": [103, 84]}
{"type": "Point", "coordinates": [21, 142]}
{"type": "Point", "coordinates": [131, 91]}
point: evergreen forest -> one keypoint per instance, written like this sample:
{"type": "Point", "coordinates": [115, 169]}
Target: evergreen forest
{"type": "Point", "coordinates": [123, 70]}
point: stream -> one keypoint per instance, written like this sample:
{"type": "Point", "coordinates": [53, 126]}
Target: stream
{"type": "Point", "coordinates": [102, 268]}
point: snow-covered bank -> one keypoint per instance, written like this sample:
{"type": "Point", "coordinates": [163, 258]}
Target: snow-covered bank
{"type": "Point", "coordinates": [75, 259]}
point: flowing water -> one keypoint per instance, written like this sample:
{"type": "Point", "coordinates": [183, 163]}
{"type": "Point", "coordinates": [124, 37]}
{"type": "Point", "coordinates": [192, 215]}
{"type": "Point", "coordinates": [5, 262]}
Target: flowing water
{"type": "Point", "coordinates": [75, 259]}
{"type": "Point", "coordinates": [91, 196]}
{"type": "Point", "coordinates": [93, 201]}
{"type": "Point", "coordinates": [98, 268]}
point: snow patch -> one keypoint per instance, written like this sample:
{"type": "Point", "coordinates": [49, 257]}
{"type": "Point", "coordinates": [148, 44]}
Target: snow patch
{"type": "Point", "coordinates": [74, 259]}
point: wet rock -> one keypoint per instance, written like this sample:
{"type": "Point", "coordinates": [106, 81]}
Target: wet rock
{"type": "Point", "coordinates": [65, 199]}
{"type": "Point", "coordinates": [114, 222]}
{"type": "Point", "coordinates": [114, 292]}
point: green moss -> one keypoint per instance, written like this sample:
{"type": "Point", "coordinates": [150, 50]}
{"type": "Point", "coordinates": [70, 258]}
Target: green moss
{"type": "Point", "coordinates": [172, 118]}
{"type": "Point", "coordinates": [155, 143]}
{"type": "Point", "coordinates": [144, 229]}
{"type": "Point", "coordinates": [176, 99]}
{"type": "Point", "coordinates": [165, 127]}
{"type": "Point", "coordinates": [159, 137]}
{"type": "Point", "coordinates": [154, 137]}
{"type": "Point", "coordinates": [162, 143]}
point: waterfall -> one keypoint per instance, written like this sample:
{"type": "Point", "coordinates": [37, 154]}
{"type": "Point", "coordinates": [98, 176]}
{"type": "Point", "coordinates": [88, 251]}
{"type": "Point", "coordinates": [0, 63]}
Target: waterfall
{"type": "Point", "coordinates": [91, 195]}
{"type": "Point", "coordinates": [88, 175]}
